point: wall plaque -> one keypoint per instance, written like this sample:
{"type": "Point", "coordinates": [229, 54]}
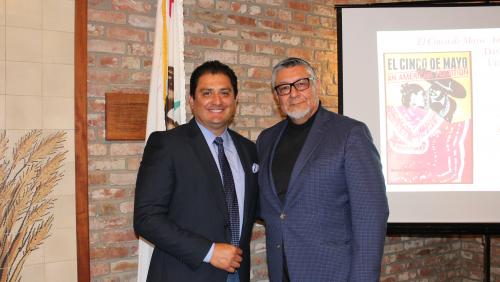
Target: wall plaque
{"type": "Point", "coordinates": [126, 116]}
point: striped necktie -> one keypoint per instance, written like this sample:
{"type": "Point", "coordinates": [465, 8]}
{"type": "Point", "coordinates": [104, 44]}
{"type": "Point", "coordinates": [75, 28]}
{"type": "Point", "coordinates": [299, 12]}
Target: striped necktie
{"type": "Point", "coordinates": [230, 193]}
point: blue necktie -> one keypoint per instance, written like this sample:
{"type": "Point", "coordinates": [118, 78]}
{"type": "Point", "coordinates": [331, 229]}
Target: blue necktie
{"type": "Point", "coordinates": [230, 193]}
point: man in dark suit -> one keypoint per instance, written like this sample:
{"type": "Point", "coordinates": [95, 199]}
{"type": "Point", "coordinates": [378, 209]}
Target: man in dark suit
{"type": "Point", "coordinates": [322, 192]}
{"type": "Point", "coordinates": [197, 191]}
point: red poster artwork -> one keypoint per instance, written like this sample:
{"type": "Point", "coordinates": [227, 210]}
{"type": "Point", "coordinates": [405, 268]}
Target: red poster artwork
{"type": "Point", "coordinates": [428, 118]}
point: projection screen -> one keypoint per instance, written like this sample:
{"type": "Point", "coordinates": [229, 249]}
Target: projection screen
{"type": "Point", "coordinates": [426, 81]}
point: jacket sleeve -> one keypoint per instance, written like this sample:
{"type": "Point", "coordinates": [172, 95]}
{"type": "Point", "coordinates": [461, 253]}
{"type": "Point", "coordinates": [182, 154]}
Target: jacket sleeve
{"type": "Point", "coordinates": [154, 191]}
{"type": "Point", "coordinates": [369, 208]}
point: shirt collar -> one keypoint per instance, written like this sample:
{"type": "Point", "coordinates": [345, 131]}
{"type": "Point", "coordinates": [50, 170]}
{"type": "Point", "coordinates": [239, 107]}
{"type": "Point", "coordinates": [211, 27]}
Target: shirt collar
{"type": "Point", "coordinates": [210, 137]}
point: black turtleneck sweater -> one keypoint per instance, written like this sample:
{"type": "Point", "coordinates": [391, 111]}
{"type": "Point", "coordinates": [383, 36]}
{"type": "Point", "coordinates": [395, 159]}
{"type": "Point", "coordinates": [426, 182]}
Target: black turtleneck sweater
{"type": "Point", "coordinates": [287, 151]}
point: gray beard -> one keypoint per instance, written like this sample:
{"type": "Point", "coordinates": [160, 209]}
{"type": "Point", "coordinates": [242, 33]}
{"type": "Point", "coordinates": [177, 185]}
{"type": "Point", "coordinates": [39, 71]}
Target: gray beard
{"type": "Point", "coordinates": [299, 114]}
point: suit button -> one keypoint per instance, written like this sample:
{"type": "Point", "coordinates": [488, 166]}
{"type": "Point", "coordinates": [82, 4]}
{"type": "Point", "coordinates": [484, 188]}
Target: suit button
{"type": "Point", "coordinates": [282, 216]}
{"type": "Point", "coordinates": [278, 246]}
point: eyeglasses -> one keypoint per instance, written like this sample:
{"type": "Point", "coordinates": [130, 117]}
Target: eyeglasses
{"type": "Point", "coordinates": [300, 84]}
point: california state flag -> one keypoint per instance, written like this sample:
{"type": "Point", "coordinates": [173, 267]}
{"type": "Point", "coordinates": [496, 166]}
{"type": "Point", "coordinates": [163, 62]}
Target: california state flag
{"type": "Point", "coordinates": [166, 107]}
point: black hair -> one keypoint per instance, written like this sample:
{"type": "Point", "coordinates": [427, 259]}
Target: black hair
{"type": "Point", "coordinates": [409, 89]}
{"type": "Point", "coordinates": [212, 67]}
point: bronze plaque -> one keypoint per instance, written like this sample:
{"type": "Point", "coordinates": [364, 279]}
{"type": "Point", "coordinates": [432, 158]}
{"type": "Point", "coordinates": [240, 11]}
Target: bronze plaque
{"type": "Point", "coordinates": [126, 116]}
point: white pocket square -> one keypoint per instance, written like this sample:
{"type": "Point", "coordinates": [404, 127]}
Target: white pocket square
{"type": "Point", "coordinates": [255, 168]}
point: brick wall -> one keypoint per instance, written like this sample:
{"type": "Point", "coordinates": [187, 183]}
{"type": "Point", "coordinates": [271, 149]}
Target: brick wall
{"type": "Point", "coordinates": [250, 36]}
{"type": "Point", "coordinates": [120, 35]}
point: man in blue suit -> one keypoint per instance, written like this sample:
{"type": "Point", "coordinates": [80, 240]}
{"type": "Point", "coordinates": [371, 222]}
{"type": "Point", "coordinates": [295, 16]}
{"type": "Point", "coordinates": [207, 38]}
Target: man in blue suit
{"type": "Point", "coordinates": [322, 191]}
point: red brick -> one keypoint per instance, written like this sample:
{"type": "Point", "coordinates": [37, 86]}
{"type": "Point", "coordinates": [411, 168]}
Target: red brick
{"type": "Point", "coordinates": [108, 252]}
{"type": "Point", "coordinates": [95, 30]}
{"type": "Point", "coordinates": [109, 61]}
{"type": "Point", "coordinates": [325, 33]}
{"type": "Point", "coordinates": [298, 17]}
{"type": "Point", "coordinates": [108, 194]}
{"type": "Point", "coordinates": [97, 45]}
{"type": "Point", "coordinates": [260, 73]}
{"type": "Point", "coordinates": [270, 49]}
{"type": "Point", "coordinates": [122, 178]}
{"type": "Point", "coordinates": [116, 236]}
{"type": "Point", "coordinates": [238, 7]}
{"type": "Point", "coordinates": [222, 5]}
{"type": "Point", "coordinates": [106, 16]}
{"type": "Point", "coordinates": [286, 39]}
{"type": "Point", "coordinates": [269, 24]}
{"type": "Point", "coordinates": [330, 102]}
{"type": "Point", "coordinates": [97, 149]}
{"type": "Point", "coordinates": [132, 63]}
{"type": "Point", "coordinates": [204, 41]}
{"type": "Point", "coordinates": [256, 110]}
{"type": "Point", "coordinates": [226, 57]}
{"type": "Point", "coordinates": [208, 16]}
{"type": "Point", "coordinates": [246, 97]}
{"type": "Point", "coordinates": [90, 60]}
{"type": "Point", "coordinates": [270, 12]}
{"type": "Point", "coordinates": [92, 209]}
{"type": "Point", "coordinates": [241, 122]}
{"type": "Point", "coordinates": [255, 11]}
{"type": "Point", "coordinates": [123, 266]}
{"type": "Point", "coordinates": [96, 105]}
{"type": "Point", "coordinates": [97, 178]}
{"type": "Point", "coordinates": [101, 223]}
{"type": "Point", "coordinates": [268, 121]}
{"type": "Point", "coordinates": [285, 16]}
{"type": "Point", "coordinates": [270, 2]}
{"type": "Point", "coordinates": [97, 269]}
{"type": "Point", "coordinates": [206, 4]}
{"type": "Point", "coordinates": [95, 120]}
{"type": "Point", "coordinates": [133, 163]}
{"type": "Point", "coordinates": [106, 164]}
{"type": "Point", "coordinates": [140, 49]}
{"type": "Point", "coordinates": [142, 77]}
{"type": "Point", "coordinates": [106, 209]}
{"type": "Point", "coordinates": [127, 33]}
{"type": "Point", "coordinates": [312, 20]}
{"type": "Point", "coordinates": [127, 207]}
{"type": "Point", "coordinates": [316, 43]}
{"type": "Point", "coordinates": [131, 5]}
{"type": "Point", "coordinates": [303, 6]}
{"type": "Point", "coordinates": [255, 60]}
{"type": "Point", "coordinates": [241, 20]}
{"type": "Point", "coordinates": [324, 10]}
{"type": "Point", "coordinates": [107, 77]}
{"type": "Point", "coordinates": [300, 28]}
{"type": "Point", "coordinates": [192, 26]}
{"type": "Point", "coordinates": [267, 97]}
{"type": "Point", "coordinates": [147, 63]}
{"type": "Point", "coordinates": [256, 85]}
{"type": "Point", "coordinates": [96, 90]}
{"type": "Point", "coordinates": [142, 21]}
{"type": "Point", "coordinates": [328, 22]}
{"type": "Point", "coordinates": [255, 35]}
{"type": "Point", "coordinates": [127, 149]}
{"type": "Point", "coordinates": [221, 30]}
{"type": "Point", "coordinates": [300, 53]}
{"type": "Point", "coordinates": [325, 56]}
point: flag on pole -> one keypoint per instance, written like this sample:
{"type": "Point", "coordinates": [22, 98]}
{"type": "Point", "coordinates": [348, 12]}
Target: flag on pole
{"type": "Point", "coordinates": [166, 106]}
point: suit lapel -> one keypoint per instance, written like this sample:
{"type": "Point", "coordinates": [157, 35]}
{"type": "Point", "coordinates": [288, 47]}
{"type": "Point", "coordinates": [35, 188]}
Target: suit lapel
{"type": "Point", "coordinates": [269, 161]}
{"type": "Point", "coordinates": [312, 141]}
{"type": "Point", "coordinates": [206, 159]}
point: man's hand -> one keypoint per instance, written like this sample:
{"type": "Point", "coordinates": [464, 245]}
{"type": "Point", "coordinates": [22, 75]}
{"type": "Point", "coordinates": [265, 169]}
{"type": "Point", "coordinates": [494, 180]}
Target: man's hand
{"type": "Point", "coordinates": [226, 257]}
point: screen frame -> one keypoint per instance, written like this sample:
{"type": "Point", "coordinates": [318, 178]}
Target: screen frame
{"type": "Point", "coordinates": [413, 228]}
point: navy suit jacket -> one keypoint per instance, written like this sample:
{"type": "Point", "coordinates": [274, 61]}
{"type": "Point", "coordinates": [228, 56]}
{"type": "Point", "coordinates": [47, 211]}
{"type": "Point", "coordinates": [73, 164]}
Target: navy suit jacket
{"type": "Point", "coordinates": [332, 223]}
{"type": "Point", "coordinates": [180, 204]}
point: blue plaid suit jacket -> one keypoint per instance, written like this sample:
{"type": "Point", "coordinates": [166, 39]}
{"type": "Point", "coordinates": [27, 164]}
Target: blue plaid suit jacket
{"type": "Point", "coordinates": [332, 223]}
